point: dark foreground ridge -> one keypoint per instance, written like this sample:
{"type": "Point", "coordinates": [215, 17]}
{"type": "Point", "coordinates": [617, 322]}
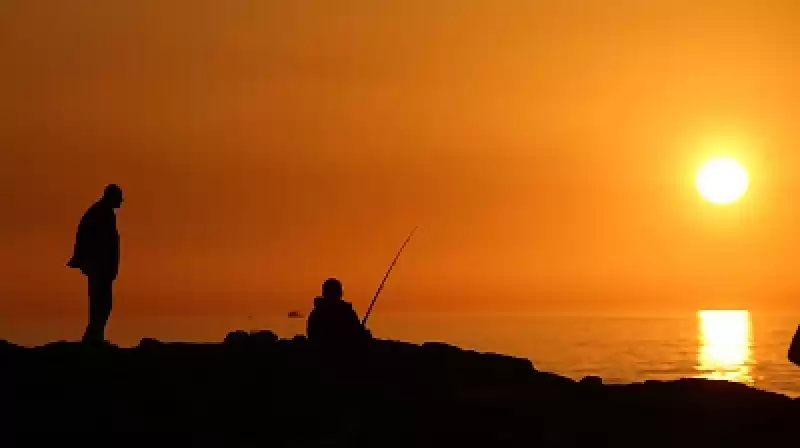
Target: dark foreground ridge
{"type": "Point", "coordinates": [256, 390]}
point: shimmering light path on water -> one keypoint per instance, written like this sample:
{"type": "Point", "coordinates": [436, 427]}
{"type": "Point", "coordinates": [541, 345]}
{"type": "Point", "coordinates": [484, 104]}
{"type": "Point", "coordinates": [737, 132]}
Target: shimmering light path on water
{"type": "Point", "coordinates": [725, 338]}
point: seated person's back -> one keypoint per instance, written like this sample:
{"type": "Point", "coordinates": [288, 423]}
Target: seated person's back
{"type": "Point", "coordinates": [334, 321]}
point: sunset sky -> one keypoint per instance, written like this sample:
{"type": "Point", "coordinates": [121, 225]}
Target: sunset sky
{"type": "Point", "coordinates": [547, 150]}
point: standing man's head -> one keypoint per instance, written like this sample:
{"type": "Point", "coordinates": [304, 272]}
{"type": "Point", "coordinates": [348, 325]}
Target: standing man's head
{"type": "Point", "coordinates": [332, 288]}
{"type": "Point", "coordinates": [112, 196]}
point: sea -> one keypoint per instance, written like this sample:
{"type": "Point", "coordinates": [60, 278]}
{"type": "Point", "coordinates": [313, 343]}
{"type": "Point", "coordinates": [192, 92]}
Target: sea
{"type": "Point", "coordinates": [733, 345]}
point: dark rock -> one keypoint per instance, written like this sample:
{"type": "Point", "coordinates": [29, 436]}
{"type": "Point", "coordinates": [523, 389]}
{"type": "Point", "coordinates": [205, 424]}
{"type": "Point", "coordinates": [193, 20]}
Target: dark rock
{"type": "Point", "coordinates": [148, 343]}
{"type": "Point", "coordinates": [7, 348]}
{"type": "Point", "coordinates": [299, 338]}
{"type": "Point", "coordinates": [254, 389]}
{"type": "Point", "coordinates": [263, 338]}
{"type": "Point", "coordinates": [592, 381]}
{"type": "Point", "coordinates": [794, 348]}
{"type": "Point", "coordinates": [236, 338]}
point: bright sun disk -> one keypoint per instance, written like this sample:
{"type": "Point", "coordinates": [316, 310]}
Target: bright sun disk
{"type": "Point", "coordinates": [722, 180]}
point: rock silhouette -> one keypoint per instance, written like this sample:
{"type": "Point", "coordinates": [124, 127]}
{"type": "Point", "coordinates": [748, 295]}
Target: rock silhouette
{"type": "Point", "coordinates": [794, 348]}
{"type": "Point", "coordinates": [255, 389]}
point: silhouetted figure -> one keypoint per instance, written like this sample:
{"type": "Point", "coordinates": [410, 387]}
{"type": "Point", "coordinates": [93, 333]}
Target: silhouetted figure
{"type": "Point", "coordinates": [97, 255]}
{"type": "Point", "coordinates": [334, 321]}
{"type": "Point", "coordinates": [794, 348]}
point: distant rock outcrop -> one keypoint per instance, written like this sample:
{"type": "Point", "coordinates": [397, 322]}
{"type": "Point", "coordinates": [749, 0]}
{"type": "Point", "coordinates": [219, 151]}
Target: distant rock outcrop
{"type": "Point", "coordinates": [255, 389]}
{"type": "Point", "coordinates": [794, 348]}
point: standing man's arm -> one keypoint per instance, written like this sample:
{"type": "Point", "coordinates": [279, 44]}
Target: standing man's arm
{"type": "Point", "coordinates": [107, 245]}
{"type": "Point", "coordinates": [115, 245]}
{"type": "Point", "coordinates": [83, 254]}
{"type": "Point", "coordinates": [97, 245]}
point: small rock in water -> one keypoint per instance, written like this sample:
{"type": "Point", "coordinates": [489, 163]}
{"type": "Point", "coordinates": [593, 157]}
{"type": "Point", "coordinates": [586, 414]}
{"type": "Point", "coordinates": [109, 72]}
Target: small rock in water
{"type": "Point", "coordinates": [149, 342]}
{"type": "Point", "coordinates": [263, 337]}
{"type": "Point", "coordinates": [592, 381]}
{"type": "Point", "coordinates": [235, 338]}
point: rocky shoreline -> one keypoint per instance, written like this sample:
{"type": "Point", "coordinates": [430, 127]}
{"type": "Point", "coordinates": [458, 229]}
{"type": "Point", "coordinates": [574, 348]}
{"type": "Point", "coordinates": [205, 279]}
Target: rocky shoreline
{"type": "Point", "coordinates": [256, 389]}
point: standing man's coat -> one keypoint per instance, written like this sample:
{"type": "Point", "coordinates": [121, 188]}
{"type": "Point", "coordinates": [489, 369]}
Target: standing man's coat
{"type": "Point", "coordinates": [97, 254]}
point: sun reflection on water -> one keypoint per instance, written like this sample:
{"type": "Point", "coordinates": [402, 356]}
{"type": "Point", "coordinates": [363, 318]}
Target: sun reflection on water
{"type": "Point", "coordinates": [725, 338]}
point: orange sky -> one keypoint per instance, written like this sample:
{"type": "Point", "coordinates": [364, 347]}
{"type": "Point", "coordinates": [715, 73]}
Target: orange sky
{"type": "Point", "coordinates": [546, 149]}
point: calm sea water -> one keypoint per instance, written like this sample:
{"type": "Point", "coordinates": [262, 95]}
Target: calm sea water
{"type": "Point", "coordinates": [733, 345]}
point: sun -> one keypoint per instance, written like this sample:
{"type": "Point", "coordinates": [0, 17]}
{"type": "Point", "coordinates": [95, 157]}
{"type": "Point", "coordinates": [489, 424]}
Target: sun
{"type": "Point", "coordinates": [722, 180]}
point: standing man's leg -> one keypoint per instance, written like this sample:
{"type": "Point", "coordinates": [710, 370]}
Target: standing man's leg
{"type": "Point", "coordinates": [106, 302]}
{"type": "Point", "coordinates": [90, 335]}
{"type": "Point", "coordinates": [100, 298]}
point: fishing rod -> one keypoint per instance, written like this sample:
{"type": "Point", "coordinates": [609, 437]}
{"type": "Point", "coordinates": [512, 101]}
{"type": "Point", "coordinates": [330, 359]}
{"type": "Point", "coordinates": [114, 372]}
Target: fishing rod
{"type": "Point", "coordinates": [380, 288]}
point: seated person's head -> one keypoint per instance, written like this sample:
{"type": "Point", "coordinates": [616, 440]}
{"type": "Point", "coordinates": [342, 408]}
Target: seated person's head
{"type": "Point", "coordinates": [332, 288]}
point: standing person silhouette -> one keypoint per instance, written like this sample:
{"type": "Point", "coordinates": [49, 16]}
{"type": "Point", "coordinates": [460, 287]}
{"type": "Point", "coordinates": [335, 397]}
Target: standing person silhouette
{"type": "Point", "coordinates": [96, 255]}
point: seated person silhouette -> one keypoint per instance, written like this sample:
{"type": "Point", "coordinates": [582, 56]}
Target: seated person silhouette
{"type": "Point", "coordinates": [333, 321]}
